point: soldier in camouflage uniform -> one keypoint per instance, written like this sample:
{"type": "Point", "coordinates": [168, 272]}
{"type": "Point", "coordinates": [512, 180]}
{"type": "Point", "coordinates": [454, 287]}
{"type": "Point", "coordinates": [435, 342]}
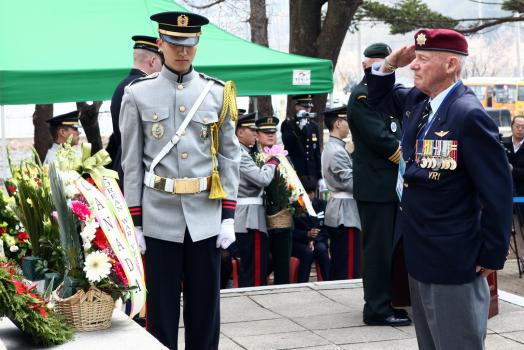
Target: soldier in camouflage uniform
{"type": "Point", "coordinates": [173, 185]}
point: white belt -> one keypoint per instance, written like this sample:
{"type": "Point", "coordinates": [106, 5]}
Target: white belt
{"type": "Point", "coordinates": [250, 200]}
{"type": "Point", "coordinates": [341, 195]}
{"type": "Point", "coordinates": [178, 186]}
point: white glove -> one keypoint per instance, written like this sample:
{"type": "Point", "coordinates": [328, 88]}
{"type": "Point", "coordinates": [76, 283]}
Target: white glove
{"type": "Point", "coordinates": [140, 239]}
{"type": "Point", "coordinates": [322, 185]}
{"type": "Point", "coordinates": [227, 233]}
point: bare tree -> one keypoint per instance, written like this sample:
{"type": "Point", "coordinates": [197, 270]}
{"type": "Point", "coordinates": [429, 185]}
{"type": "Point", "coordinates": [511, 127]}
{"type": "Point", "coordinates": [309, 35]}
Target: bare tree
{"type": "Point", "coordinates": [42, 137]}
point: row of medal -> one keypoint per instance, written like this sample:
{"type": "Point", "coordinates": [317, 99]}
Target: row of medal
{"type": "Point", "coordinates": [436, 154]}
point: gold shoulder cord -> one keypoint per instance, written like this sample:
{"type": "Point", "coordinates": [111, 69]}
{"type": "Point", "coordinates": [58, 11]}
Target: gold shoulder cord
{"type": "Point", "coordinates": [229, 107]}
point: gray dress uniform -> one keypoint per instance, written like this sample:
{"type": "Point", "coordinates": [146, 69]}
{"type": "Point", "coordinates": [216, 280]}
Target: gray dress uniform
{"type": "Point", "coordinates": [253, 179]}
{"type": "Point", "coordinates": [341, 217]}
{"type": "Point", "coordinates": [147, 122]}
{"type": "Point", "coordinates": [250, 220]}
{"type": "Point", "coordinates": [51, 153]}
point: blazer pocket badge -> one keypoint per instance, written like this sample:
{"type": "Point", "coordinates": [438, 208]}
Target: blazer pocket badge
{"type": "Point", "coordinates": [157, 130]}
{"type": "Point", "coordinates": [204, 132]}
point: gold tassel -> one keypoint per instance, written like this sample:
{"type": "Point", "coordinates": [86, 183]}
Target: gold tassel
{"type": "Point", "coordinates": [216, 192]}
{"type": "Point", "coordinates": [229, 107]}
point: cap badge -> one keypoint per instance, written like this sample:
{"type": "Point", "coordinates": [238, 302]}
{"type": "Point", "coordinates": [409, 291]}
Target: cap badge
{"type": "Point", "coordinates": [421, 39]}
{"type": "Point", "coordinates": [270, 120]}
{"type": "Point", "coordinates": [182, 21]}
{"type": "Point", "coordinates": [441, 133]}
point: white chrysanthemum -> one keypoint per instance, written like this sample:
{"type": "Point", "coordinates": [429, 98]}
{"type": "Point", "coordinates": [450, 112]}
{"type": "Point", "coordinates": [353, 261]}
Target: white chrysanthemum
{"type": "Point", "coordinates": [88, 233]}
{"type": "Point", "coordinates": [71, 191]}
{"type": "Point", "coordinates": [97, 266]}
{"type": "Point", "coordinates": [13, 248]}
{"type": "Point", "coordinates": [69, 176]}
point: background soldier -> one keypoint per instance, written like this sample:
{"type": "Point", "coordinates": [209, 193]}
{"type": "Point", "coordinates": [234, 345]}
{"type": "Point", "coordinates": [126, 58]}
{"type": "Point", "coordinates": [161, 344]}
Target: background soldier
{"type": "Point", "coordinates": [341, 218]}
{"type": "Point", "coordinates": [301, 138]}
{"type": "Point", "coordinates": [376, 138]}
{"type": "Point", "coordinates": [250, 215]}
{"type": "Point", "coordinates": [279, 238]}
{"type": "Point", "coordinates": [185, 201]}
{"type": "Point", "coordinates": [61, 128]}
{"type": "Point", "coordinates": [146, 60]}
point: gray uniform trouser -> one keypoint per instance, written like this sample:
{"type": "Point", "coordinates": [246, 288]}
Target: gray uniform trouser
{"type": "Point", "coordinates": [449, 317]}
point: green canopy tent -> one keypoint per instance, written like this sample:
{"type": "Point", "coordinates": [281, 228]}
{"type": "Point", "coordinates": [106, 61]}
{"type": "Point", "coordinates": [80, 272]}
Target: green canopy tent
{"type": "Point", "coordinates": [68, 50]}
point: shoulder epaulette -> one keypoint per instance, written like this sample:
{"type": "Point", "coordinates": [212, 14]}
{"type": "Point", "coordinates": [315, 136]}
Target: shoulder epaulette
{"type": "Point", "coordinates": [212, 78]}
{"type": "Point", "coordinates": [147, 77]}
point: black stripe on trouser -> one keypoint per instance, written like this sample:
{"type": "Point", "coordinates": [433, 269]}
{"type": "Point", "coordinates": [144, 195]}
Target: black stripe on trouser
{"type": "Point", "coordinates": [378, 226]}
{"type": "Point", "coordinates": [280, 248]}
{"type": "Point", "coordinates": [340, 240]}
{"type": "Point", "coordinates": [199, 263]}
{"type": "Point", "coordinates": [246, 243]}
{"type": "Point", "coordinates": [319, 255]}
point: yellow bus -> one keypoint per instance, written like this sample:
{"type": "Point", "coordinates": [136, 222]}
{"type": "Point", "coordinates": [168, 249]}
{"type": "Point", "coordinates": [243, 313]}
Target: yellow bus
{"type": "Point", "coordinates": [519, 107]}
{"type": "Point", "coordinates": [495, 92]}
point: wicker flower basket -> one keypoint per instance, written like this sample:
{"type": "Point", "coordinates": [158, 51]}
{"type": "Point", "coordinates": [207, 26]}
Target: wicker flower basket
{"type": "Point", "coordinates": [282, 219]}
{"type": "Point", "coordinates": [91, 311]}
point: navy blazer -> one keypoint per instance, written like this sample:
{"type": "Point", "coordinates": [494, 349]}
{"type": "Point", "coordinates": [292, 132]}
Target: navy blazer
{"type": "Point", "coordinates": [450, 220]}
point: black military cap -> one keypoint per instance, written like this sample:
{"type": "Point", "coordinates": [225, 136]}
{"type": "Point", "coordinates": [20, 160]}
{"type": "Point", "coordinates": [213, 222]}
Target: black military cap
{"type": "Point", "coordinates": [180, 28]}
{"type": "Point", "coordinates": [145, 43]}
{"type": "Point", "coordinates": [267, 124]}
{"type": "Point", "coordinates": [69, 119]}
{"type": "Point", "coordinates": [247, 120]}
{"type": "Point", "coordinates": [338, 112]}
{"type": "Point", "coordinates": [241, 111]}
{"type": "Point", "coordinates": [377, 50]}
{"type": "Point", "coordinates": [304, 100]}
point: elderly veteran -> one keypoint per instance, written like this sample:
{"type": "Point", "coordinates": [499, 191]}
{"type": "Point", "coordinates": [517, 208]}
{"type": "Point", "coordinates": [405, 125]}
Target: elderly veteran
{"type": "Point", "coordinates": [180, 158]}
{"type": "Point", "coordinates": [455, 188]}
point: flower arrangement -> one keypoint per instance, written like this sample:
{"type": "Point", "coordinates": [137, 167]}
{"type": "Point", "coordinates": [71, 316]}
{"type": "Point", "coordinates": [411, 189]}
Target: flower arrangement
{"type": "Point", "coordinates": [286, 190]}
{"type": "Point", "coordinates": [32, 205]}
{"type": "Point", "coordinates": [13, 238]}
{"type": "Point", "coordinates": [28, 310]}
{"type": "Point", "coordinates": [95, 227]}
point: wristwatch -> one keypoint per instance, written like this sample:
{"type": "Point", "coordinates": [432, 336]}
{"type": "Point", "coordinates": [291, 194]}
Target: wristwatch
{"type": "Point", "coordinates": [388, 66]}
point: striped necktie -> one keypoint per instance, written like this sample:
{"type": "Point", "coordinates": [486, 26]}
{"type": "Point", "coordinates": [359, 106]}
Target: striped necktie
{"type": "Point", "coordinates": [425, 117]}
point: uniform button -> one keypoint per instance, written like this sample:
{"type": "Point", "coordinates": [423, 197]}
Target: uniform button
{"type": "Point", "coordinates": [180, 87]}
{"type": "Point", "coordinates": [183, 133]}
{"type": "Point", "coordinates": [155, 117]}
{"type": "Point", "coordinates": [182, 108]}
{"type": "Point", "coordinates": [307, 145]}
{"type": "Point", "coordinates": [405, 184]}
{"type": "Point", "coordinates": [205, 120]}
{"type": "Point", "coordinates": [184, 155]}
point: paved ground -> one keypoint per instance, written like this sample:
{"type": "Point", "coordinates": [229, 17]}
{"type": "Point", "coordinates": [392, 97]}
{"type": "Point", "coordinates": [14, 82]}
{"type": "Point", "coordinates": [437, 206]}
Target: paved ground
{"type": "Point", "coordinates": [327, 315]}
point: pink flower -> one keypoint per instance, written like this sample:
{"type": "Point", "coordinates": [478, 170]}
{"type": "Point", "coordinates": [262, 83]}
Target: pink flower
{"type": "Point", "coordinates": [275, 150]}
{"type": "Point", "coordinates": [81, 210]}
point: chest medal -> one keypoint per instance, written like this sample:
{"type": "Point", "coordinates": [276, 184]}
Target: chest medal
{"type": "Point", "coordinates": [157, 130]}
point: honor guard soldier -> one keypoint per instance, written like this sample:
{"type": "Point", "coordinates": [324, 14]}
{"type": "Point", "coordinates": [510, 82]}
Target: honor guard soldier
{"type": "Point", "coordinates": [301, 138]}
{"type": "Point", "coordinates": [250, 215]}
{"type": "Point", "coordinates": [455, 188]}
{"type": "Point", "coordinates": [280, 239]}
{"type": "Point", "coordinates": [341, 218]}
{"type": "Point", "coordinates": [61, 128]}
{"type": "Point", "coordinates": [376, 136]}
{"type": "Point", "coordinates": [146, 60]}
{"type": "Point", "coordinates": [180, 158]}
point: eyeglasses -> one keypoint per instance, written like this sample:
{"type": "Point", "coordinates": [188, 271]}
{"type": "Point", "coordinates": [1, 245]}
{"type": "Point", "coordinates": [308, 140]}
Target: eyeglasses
{"type": "Point", "coordinates": [518, 127]}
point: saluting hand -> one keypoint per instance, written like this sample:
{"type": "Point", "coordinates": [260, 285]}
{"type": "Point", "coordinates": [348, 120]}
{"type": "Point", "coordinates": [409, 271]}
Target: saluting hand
{"type": "Point", "coordinates": [401, 57]}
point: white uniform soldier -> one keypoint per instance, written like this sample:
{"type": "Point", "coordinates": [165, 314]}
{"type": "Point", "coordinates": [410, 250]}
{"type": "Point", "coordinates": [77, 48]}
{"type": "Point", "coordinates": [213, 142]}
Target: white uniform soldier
{"type": "Point", "coordinates": [250, 216]}
{"type": "Point", "coordinates": [180, 158]}
{"type": "Point", "coordinates": [61, 128]}
{"type": "Point", "coordinates": [341, 218]}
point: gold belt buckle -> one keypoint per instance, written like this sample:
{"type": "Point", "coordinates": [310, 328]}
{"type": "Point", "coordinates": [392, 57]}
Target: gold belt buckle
{"type": "Point", "coordinates": [187, 186]}
{"type": "Point", "coordinates": [160, 183]}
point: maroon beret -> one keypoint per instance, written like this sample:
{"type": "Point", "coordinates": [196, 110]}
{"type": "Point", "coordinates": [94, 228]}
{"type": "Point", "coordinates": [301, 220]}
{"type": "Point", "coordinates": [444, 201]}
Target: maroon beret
{"type": "Point", "coordinates": [441, 40]}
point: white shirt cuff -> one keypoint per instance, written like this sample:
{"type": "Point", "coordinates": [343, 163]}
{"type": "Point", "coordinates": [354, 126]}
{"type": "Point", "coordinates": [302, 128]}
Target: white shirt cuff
{"type": "Point", "coordinates": [375, 69]}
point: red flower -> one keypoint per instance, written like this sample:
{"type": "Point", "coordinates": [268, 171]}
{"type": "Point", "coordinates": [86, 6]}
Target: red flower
{"type": "Point", "coordinates": [90, 180]}
{"type": "Point", "coordinates": [2, 231]}
{"type": "Point", "coordinates": [100, 240]}
{"type": "Point", "coordinates": [39, 309]}
{"type": "Point", "coordinates": [37, 181]}
{"type": "Point", "coordinates": [23, 236]}
{"type": "Point", "coordinates": [119, 272]}
{"type": "Point", "coordinates": [12, 189]}
{"type": "Point", "coordinates": [81, 210]}
{"type": "Point", "coordinates": [20, 287]}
